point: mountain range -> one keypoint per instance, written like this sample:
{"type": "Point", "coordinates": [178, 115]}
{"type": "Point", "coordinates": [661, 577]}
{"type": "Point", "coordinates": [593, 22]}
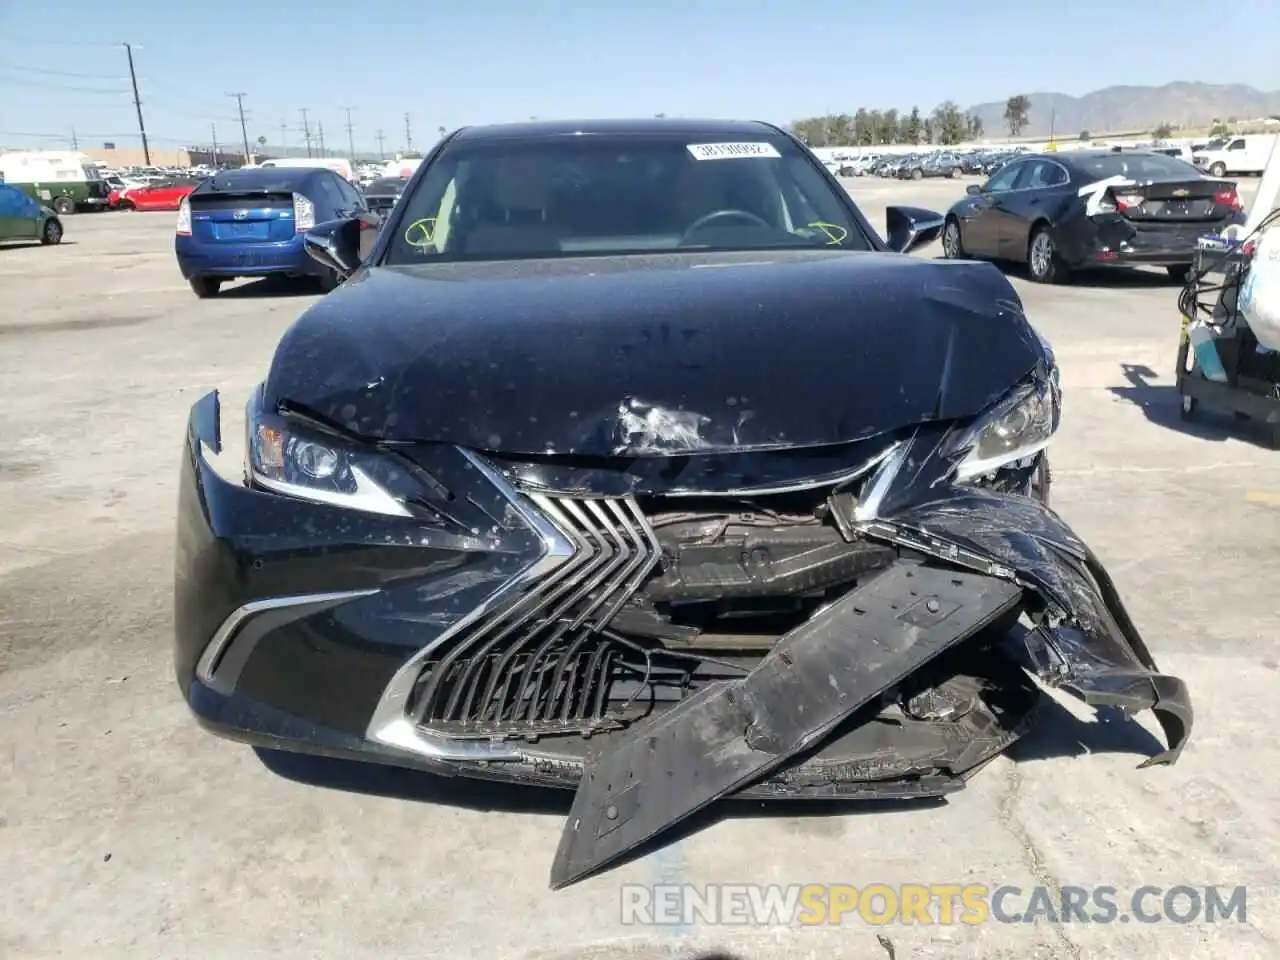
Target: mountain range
{"type": "Point", "coordinates": [1116, 109]}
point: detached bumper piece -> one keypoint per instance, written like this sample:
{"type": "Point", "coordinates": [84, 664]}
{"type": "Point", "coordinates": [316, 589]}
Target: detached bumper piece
{"type": "Point", "coordinates": [727, 736]}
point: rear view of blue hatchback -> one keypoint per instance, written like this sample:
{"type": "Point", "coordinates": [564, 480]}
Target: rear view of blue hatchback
{"type": "Point", "coordinates": [250, 223]}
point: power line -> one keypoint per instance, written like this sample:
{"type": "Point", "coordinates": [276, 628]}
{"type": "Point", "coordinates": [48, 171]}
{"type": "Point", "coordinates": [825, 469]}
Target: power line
{"type": "Point", "coordinates": [69, 88]}
{"type": "Point", "coordinates": [137, 103]}
{"type": "Point", "coordinates": [244, 132]}
{"type": "Point", "coordinates": [62, 73]}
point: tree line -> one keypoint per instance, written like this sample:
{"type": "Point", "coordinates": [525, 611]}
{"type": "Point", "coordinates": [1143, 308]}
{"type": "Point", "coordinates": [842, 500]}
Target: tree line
{"type": "Point", "coordinates": [946, 125]}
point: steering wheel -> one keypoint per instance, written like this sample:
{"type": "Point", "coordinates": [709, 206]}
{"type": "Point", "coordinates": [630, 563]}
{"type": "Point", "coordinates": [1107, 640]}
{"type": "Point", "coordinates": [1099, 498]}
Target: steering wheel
{"type": "Point", "coordinates": [725, 215]}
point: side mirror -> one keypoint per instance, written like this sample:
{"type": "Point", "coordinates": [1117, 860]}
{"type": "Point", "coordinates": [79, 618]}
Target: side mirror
{"type": "Point", "coordinates": [336, 244]}
{"type": "Point", "coordinates": [973, 189]}
{"type": "Point", "coordinates": [910, 228]}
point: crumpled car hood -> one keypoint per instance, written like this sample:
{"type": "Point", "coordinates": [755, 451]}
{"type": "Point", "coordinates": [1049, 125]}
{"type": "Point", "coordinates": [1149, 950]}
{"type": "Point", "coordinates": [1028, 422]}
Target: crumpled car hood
{"type": "Point", "coordinates": [657, 355]}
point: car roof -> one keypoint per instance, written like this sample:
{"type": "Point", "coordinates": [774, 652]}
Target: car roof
{"type": "Point", "coordinates": [257, 177]}
{"type": "Point", "coordinates": [650, 126]}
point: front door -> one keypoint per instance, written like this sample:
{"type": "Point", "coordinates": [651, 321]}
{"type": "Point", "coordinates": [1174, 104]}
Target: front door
{"type": "Point", "coordinates": [981, 230]}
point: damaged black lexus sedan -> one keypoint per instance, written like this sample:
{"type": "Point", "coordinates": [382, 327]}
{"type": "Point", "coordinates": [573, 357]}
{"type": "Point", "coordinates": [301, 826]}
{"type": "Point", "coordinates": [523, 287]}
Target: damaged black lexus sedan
{"type": "Point", "coordinates": [633, 461]}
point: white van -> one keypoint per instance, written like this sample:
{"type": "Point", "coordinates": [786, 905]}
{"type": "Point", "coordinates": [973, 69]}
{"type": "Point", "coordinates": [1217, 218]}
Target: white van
{"type": "Point", "coordinates": [339, 166]}
{"type": "Point", "coordinates": [62, 180]}
{"type": "Point", "coordinates": [1247, 153]}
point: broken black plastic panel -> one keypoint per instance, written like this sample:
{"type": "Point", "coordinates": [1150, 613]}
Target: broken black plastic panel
{"type": "Point", "coordinates": [731, 734]}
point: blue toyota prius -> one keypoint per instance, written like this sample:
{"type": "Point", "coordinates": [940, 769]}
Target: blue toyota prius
{"type": "Point", "coordinates": [250, 223]}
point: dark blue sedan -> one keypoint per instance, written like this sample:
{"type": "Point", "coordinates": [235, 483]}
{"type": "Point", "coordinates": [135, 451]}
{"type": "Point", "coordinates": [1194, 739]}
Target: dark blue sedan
{"type": "Point", "coordinates": [250, 223]}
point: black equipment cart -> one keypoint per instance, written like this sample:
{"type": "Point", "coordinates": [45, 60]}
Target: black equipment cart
{"type": "Point", "coordinates": [1252, 387]}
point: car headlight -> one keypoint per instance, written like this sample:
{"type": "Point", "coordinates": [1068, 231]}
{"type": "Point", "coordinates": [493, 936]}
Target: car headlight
{"type": "Point", "coordinates": [1016, 428]}
{"type": "Point", "coordinates": [291, 459]}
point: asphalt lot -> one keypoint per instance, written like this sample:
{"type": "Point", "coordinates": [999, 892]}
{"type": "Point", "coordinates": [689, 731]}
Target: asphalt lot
{"type": "Point", "coordinates": [127, 832]}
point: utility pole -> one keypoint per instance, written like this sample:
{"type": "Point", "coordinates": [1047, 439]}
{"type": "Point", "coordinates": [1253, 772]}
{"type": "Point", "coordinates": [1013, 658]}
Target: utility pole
{"type": "Point", "coordinates": [320, 135]}
{"type": "Point", "coordinates": [1052, 117]}
{"type": "Point", "coordinates": [306, 130]}
{"type": "Point", "coordinates": [408, 135]}
{"type": "Point", "coordinates": [75, 144]}
{"type": "Point", "coordinates": [284, 135]}
{"type": "Point", "coordinates": [213, 129]}
{"type": "Point", "coordinates": [351, 143]}
{"type": "Point", "coordinates": [381, 153]}
{"type": "Point", "coordinates": [137, 104]}
{"type": "Point", "coordinates": [244, 132]}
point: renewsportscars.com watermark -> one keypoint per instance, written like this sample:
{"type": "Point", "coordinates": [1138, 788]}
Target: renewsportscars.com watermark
{"type": "Point", "coordinates": [878, 904]}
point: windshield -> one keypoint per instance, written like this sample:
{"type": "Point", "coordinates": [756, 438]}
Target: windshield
{"type": "Point", "coordinates": [1138, 165]}
{"type": "Point", "coordinates": [1217, 143]}
{"type": "Point", "coordinates": [581, 196]}
{"type": "Point", "coordinates": [92, 173]}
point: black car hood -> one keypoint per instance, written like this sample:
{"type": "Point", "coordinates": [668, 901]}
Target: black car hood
{"type": "Point", "coordinates": [657, 355]}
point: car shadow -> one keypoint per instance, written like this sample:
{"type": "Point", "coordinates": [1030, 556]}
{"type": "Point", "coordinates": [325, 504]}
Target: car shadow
{"type": "Point", "coordinates": [1057, 733]}
{"type": "Point", "coordinates": [28, 244]}
{"type": "Point", "coordinates": [265, 287]}
{"type": "Point", "coordinates": [1161, 404]}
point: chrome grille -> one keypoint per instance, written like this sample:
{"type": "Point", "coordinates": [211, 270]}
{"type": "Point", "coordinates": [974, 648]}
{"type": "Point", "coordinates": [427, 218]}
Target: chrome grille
{"type": "Point", "coordinates": [544, 663]}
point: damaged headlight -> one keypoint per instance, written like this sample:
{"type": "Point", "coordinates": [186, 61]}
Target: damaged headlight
{"type": "Point", "coordinates": [288, 458]}
{"type": "Point", "coordinates": [1016, 428]}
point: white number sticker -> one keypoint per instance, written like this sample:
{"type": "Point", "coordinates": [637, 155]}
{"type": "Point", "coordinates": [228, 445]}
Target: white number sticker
{"type": "Point", "coordinates": [732, 151]}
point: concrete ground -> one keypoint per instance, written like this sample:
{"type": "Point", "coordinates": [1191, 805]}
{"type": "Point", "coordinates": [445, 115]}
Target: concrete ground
{"type": "Point", "coordinates": [127, 832]}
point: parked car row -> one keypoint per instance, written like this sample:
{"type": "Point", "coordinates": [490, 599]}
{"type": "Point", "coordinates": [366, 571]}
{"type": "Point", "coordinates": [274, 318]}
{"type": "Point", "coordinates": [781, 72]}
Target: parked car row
{"type": "Point", "coordinates": [938, 163]}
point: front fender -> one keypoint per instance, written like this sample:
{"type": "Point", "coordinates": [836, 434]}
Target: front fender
{"type": "Point", "coordinates": [1084, 639]}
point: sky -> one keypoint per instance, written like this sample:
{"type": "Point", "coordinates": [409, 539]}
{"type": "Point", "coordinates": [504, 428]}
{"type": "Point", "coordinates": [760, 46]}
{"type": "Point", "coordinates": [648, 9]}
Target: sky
{"type": "Point", "coordinates": [63, 67]}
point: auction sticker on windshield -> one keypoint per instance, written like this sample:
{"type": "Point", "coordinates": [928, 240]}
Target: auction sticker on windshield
{"type": "Point", "coordinates": [730, 151]}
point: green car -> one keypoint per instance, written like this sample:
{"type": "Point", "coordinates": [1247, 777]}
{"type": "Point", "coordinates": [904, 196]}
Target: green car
{"type": "Point", "coordinates": [21, 218]}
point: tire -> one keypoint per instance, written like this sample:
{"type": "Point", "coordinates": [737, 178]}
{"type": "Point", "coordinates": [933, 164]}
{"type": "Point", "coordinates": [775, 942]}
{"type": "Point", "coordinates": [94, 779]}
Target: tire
{"type": "Point", "coordinates": [51, 235]}
{"type": "Point", "coordinates": [64, 206]}
{"type": "Point", "coordinates": [917, 174]}
{"type": "Point", "coordinates": [1188, 407]}
{"type": "Point", "coordinates": [952, 240]}
{"type": "Point", "coordinates": [1219, 169]}
{"type": "Point", "coordinates": [204, 287]}
{"type": "Point", "coordinates": [1043, 263]}
{"type": "Point", "coordinates": [955, 173]}
{"type": "Point", "coordinates": [1180, 274]}
{"type": "Point", "coordinates": [328, 281]}
{"type": "Point", "coordinates": [126, 205]}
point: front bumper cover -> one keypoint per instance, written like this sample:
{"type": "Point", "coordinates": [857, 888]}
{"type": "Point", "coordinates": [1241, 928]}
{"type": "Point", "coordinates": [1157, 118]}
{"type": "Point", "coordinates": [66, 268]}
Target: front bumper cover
{"type": "Point", "coordinates": [294, 619]}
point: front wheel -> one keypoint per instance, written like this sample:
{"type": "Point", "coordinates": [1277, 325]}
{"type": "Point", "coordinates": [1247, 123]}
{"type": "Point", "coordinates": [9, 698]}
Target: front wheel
{"type": "Point", "coordinates": [955, 173]}
{"type": "Point", "coordinates": [204, 287]}
{"type": "Point", "coordinates": [1219, 169]}
{"type": "Point", "coordinates": [64, 206]}
{"type": "Point", "coordinates": [1043, 263]}
{"type": "Point", "coordinates": [952, 242]}
{"type": "Point", "coordinates": [52, 232]}
{"type": "Point", "coordinates": [1181, 273]}
{"type": "Point", "coordinates": [917, 174]}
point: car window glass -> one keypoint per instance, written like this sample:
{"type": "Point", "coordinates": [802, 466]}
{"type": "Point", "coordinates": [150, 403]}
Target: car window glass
{"type": "Point", "coordinates": [1041, 174]}
{"type": "Point", "coordinates": [351, 198]}
{"type": "Point", "coordinates": [553, 198]}
{"type": "Point", "coordinates": [1236, 145]}
{"type": "Point", "coordinates": [330, 193]}
{"type": "Point", "coordinates": [1135, 165]}
{"type": "Point", "coordinates": [1003, 178]}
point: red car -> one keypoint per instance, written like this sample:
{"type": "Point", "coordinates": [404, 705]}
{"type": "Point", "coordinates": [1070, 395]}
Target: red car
{"type": "Point", "coordinates": [165, 195]}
